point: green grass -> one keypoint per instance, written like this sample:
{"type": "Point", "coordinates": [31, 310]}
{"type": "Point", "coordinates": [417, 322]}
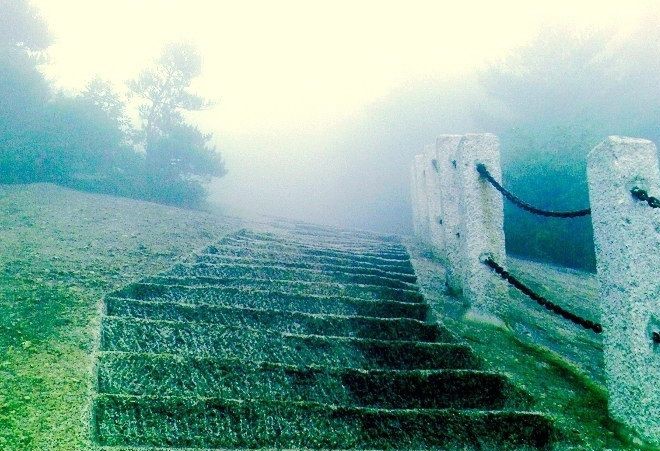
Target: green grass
{"type": "Point", "coordinates": [60, 251]}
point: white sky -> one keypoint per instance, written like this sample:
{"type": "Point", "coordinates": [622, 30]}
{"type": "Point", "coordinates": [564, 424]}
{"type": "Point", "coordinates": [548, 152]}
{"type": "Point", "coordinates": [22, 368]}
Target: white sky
{"type": "Point", "coordinates": [290, 64]}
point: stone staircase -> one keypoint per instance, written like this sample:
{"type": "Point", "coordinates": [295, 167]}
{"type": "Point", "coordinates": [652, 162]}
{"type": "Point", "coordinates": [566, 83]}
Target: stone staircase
{"type": "Point", "coordinates": [307, 338]}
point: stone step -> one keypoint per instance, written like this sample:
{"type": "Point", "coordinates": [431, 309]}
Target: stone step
{"type": "Point", "coordinates": [331, 290]}
{"type": "Point", "coordinates": [281, 321]}
{"type": "Point", "coordinates": [294, 261]}
{"type": "Point", "coordinates": [365, 244]}
{"type": "Point", "coordinates": [207, 377]}
{"type": "Point", "coordinates": [272, 300]}
{"type": "Point", "coordinates": [209, 423]}
{"type": "Point", "coordinates": [359, 251]}
{"type": "Point", "coordinates": [324, 239]}
{"type": "Point", "coordinates": [163, 337]}
{"type": "Point", "coordinates": [240, 247]}
{"type": "Point", "coordinates": [297, 227]}
{"type": "Point", "coordinates": [312, 234]}
{"type": "Point", "coordinates": [240, 271]}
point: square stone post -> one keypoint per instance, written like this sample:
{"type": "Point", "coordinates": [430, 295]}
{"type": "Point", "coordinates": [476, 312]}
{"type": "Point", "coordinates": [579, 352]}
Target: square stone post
{"type": "Point", "coordinates": [627, 240]}
{"type": "Point", "coordinates": [481, 225]}
{"type": "Point", "coordinates": [422, 197]}
{"type": "Point", "coordinates": [446, 155]}
{"type": "Point", "coordinates": [436, 228]}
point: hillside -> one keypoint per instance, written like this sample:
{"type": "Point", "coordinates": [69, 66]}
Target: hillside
{"type": "Point", "coordinates": [61, 251]}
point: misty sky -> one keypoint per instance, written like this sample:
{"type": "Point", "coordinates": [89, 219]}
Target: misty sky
{"type": "Point", "coordinates": [286, 72]}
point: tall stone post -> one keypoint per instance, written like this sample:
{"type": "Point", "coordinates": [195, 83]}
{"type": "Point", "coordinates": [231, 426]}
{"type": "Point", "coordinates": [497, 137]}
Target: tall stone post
{"type": "Point", "coordinates": [414, 201]}
{"type": "Point", "coordinates": [481, 224]}
{"type": "Point", "coordinates": [627, 239]}
{"type": "Point", "coordinates": [422, 197]}
{"type": "Point", "coordinates": [446, 156]}
{"type": "Point", "coordinates": [436, 222]}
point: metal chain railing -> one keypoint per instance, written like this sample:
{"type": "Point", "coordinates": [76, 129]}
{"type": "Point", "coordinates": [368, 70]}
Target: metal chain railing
{"type": "Point", "coordinates": [543, 302]}
{"type": "Point", "coordinates": [481, 168]}
{"type": "Point", "coordinates": [642, 195]}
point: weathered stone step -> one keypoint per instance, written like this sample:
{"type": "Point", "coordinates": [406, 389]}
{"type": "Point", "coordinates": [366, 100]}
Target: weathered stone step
{"type": "Point", "coordinates": [162, 337]}
{"type": "Point", "coordinates": [180, 422]}
{"type": "Point", "coordinates": [273, 300]}
{"type": "Point", "coordinates": [336, 231]}
{"type": "Point", "coordinates": [164, 375]}
{"type": "Point", "coordinates": [345, 234]}
{"type": "Point", "coordinates": [359, 251]}
{"type": "Point", "coordinates": [294, 261]}
{"type": "Point", "coordinates": [244, 248]}
{"type": "Point", "coordinates": [364, 244]}
{"type": "Point", "coordinates": [240, 271]}
{"type": "Point", "coordinates": [282, 321]}
{"type": "Point", "coordinates": [331, 290]}
{"type": "Point", "coordinates": [324, 239]}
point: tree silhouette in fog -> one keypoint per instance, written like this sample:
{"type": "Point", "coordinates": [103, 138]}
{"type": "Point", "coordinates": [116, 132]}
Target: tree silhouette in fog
{"type": "Point", "coordinates": [179, 153]}
{"type": "Point", "coordinates": [86, 141]}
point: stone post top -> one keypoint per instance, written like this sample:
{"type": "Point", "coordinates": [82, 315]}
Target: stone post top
{"type": "Point", "coordinates": [619, 145]}
{"type": "Point", "coordinates": [481, 137]}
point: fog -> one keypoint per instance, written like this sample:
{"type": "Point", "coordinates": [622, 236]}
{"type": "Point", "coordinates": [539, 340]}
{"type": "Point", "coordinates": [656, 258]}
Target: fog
{"type": "Point", "coordinates": [313, 111]}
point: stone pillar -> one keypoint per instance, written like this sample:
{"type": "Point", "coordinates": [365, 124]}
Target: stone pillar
{"type": "Point", "coordinates": [422, 197]}
{"type": "Point", "coordinates": [414, 202]}
{"type": "Point", "coordinates": [481, 224]}
{"type": "Point", "coordinates": [627, 239]}
{"type": "Point", "coordinates": [436, 227]}
{"type": "Point", "coordinates": [446, 156]}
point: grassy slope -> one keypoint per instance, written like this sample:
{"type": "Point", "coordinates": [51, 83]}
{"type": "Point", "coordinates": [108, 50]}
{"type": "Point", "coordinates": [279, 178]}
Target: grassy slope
{"type": "Point", "coordinates": [60, 251]}
{"type": "Point", "coordinates": [559, 363]}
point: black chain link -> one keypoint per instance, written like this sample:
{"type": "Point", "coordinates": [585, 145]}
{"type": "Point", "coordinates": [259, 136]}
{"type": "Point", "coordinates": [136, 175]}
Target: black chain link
{"type": "Point", "coordinates": [543, 302]}
{"type": "Point", "coordinates": [642, 195]}
{"type": "Point", "coordinates": [481, 168]}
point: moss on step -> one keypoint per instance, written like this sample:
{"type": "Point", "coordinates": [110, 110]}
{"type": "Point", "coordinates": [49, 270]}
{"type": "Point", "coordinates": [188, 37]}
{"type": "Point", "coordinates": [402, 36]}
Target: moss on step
{"type": "Point", "coordinates": [272, 300]}
{"type": "Point", "coordinates": [207, 377]}
{"type": "Point", "coordinates": [246, 248]}
{"type": "Point", "coordinates": [223, 257]}
{"type": "Point", "coordinates": [366, 292]}
{"type": "Point", "coordinates": [282, 321]}
{"type": "Point", "coordinates": [162, 337]}
{"type": "Point", "coordinates": [228, 271]}
{"type": "Point", "coordinates": [310, 249]}
{"type": "Point", "coordinates": [143, 421]}
{"type": "Point", "coordinates": [359, 247]}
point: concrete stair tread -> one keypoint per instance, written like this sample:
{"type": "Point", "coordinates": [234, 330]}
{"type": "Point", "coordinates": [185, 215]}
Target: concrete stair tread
{"type": "Point", "coordinates": [237, 270]}
{"type": "Point", "coordinates": [167, 337]}
{"type": "Point", "coordinates": [208, 377]}
{"type": "Point", "coordinates": [368, 245]}
{"type": "Point", "coordinates": [283, 248]}
{"type": "Point", "coordinates": [403, 329]}
{"type": "Point", "coordinates": [225, 257]}
{"type": "Point", "coordinates": [281, 301]}
{"type": "Point", "coordinates": [363, 291]}
{"type": "Point", "coordinates": [148, 421]}
{"type": "Point", "coordinates": [318, 249]}
{"type": "Point", "coordinates": [239, 248]}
